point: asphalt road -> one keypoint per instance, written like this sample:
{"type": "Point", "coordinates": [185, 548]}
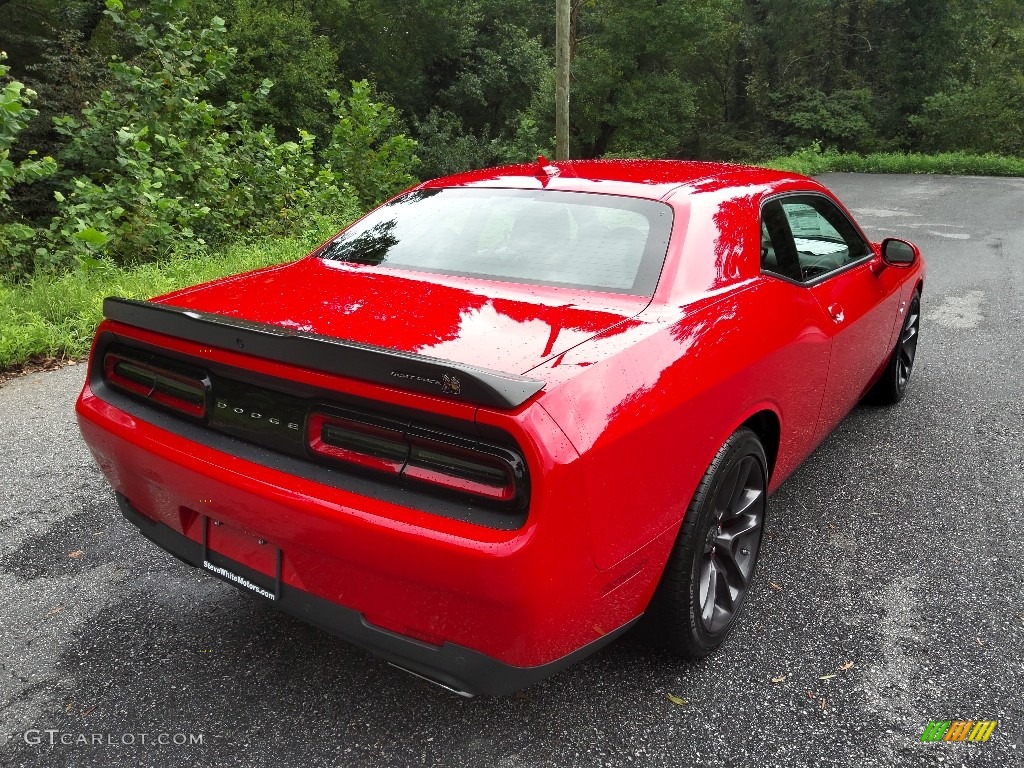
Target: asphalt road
{"type": "Point", "coordinates": [896, 548]}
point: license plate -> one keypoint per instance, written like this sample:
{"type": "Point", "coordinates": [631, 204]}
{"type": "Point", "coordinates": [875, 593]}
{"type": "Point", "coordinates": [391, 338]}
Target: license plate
{"type": "Point", "coordinates": [241, 558]}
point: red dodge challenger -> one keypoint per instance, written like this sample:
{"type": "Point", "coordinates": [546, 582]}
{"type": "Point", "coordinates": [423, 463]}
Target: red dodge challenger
{"type": "Point", "coordinates": [490, 425]}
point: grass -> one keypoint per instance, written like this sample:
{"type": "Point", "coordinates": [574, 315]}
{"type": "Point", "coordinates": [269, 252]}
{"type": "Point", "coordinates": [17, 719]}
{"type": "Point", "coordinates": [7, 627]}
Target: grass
{"type": "Point", "coordinates": [813, 161]}
{"type": "Point", "coordinates": [55, 316]}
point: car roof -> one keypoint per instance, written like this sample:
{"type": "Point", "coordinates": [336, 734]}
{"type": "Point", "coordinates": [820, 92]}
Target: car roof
{"type": "Point", "coordinates": [653, 179]}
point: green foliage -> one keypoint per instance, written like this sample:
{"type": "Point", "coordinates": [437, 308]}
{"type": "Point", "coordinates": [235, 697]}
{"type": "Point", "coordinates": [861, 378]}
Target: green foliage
{"type": "Point", "coordinates": [412, 50]}
{"type": "Point", "coordinates": [980, 105]}
{"type": "Point", "coordinates": [814, 160]}
{"type": "Point", "coordinates": [840, 119]}
{"type": "Point", "coordinates": [168, 169]}
{"type": "Point", "coordinates": [69, 71]}
{"type": "Point", "coordinates": [201, 132]}
{"type": "Point", "coordinates": [365, 150]}
{"type": "Point", "coordinates": [447, 147]}
{"type": "Point", "coordinates": [280, 42]}
{"type": "Point", "coordinates": [979, 118]}
{"type": "Point", "coordinates": [472, 81]}
{"type": "Point", "coordinates": [463, 75]}
{"type": "Point", "coordinates": [55, 315]}
{"type": "Point", "coordinates": [641, 73]}
{"type": "Point", "coordinates": [16, 235]}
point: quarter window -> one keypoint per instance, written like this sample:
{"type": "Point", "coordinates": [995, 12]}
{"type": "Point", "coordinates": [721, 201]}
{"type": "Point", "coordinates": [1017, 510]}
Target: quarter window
{"type": "Point", "coordinates": [804, 237]}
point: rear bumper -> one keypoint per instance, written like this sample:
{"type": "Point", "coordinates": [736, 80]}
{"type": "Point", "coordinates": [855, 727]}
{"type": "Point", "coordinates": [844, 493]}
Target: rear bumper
{"type": "Point", "coordinates": [478, 609]}
{"type": "Point", "coordinates": [463, 670]}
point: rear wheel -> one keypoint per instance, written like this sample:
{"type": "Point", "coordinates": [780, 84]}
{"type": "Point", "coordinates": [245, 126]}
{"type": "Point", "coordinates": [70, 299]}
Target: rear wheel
{"type": "Point", "coordinates": [892, 387]}
{"type": "Point", "coordinates": [712, 562]}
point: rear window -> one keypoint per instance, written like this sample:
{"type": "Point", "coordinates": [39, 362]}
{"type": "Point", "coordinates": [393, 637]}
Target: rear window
{"type": "Point", "coordinates": [577, 239]}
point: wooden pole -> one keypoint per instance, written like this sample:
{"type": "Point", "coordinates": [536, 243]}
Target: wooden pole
{"type": "Point", "coordinates": [562, 79]}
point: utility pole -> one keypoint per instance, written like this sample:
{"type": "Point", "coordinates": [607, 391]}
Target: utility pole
{"type": "Point", "coordinates": [562, 79]}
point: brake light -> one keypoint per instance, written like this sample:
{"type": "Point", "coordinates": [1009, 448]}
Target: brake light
{"type": "Point", "coordinates": [461, 470]}
{"type": "Point", "coordinates": [487, 472]}
{"type": "Point", "coordinates": [414, 454]}
{"type": "Point", "coordinates": [171, 389]}
{"type": "Point", "coordinates": [371, 447]}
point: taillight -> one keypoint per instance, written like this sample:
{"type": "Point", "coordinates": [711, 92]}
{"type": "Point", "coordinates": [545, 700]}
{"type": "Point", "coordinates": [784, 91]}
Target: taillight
{"type": "Point", "coordinates": [369, 446]}
{"type": "Point", "coordinates": [462, 470]}
{"type": "Point", "coordinates": [488, 472]}
{"type": "Point", "coordinates": [172, 389]}
{"type": "Point", "coordinates": [391, 447]}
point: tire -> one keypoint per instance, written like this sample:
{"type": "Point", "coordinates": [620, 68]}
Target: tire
{"type": "Point", "coordinates": [892, 386]}
{"type": "Point", "coordinates": [712, 561]}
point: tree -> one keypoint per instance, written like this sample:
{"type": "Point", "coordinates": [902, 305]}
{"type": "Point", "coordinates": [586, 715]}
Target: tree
{"type": "Point", "coordinates": [279, 41]}
{"type": "Point", "coordinates": [979, 105]}
{"type": "Point", "coordinates": [365, 150]}
{"type": "Point", "coordinates": [640, 71]}
{"type": "Point", "coordinates": [16, 235]}
{"type": "Point", "coordinates": [462, 76]}
{"type": "Point", "coordinates": [165, 167]}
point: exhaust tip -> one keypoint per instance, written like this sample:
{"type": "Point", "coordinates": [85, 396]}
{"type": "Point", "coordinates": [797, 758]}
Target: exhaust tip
{"type": "Point", "coordinates": [450, 689]}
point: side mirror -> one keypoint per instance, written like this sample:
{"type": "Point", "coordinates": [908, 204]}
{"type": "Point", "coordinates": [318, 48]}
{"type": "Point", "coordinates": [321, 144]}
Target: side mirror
{"type": "Point", "coordinates": [900, 253]}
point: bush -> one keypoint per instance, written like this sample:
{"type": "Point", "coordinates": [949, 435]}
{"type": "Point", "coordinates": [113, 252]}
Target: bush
{"type": "Point", "coordinates": [279, 41]}
{"type": "Point", "coordinates": [976, 118]}
{"type": "Point", "coordinates": [446, 147]}
{"type": "Point", "coordinates": [842, 118]}
{"type": "Point", "coordinates": [167, 170]}
{"type": "Point", "coordinates": [16, 235]}
{"type": "Point", "coordinates": [55, 315]}
{"type": "Point", "coordinates": [365, 150]}
{"type": "Point", "coordinates": [813, 160]}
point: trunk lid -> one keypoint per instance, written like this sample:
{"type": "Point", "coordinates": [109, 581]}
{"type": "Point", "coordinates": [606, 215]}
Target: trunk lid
{"type": "Point", "coordinates": [489, 324]}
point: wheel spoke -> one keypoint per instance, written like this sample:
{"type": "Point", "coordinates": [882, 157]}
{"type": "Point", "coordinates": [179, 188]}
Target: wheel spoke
{"type": "Point", "coordinates": [906, 350]}
{"type": "Point", "coordinates": [740, 527]}
{"type": "Point", "coordinates": [718, 600]}
{"type": "Point", "coordinates": [743, 469]}
{"type": "Point", "coordinates": [729, 485]}
{"type": "Point", "coordinates": [749, 498]}
{"type": "Point", "coordinates": [736, 573]}
{"type": "Point", "coordinates": [907, 355]}
{"type": "Point", "coordinates": [708, 590]}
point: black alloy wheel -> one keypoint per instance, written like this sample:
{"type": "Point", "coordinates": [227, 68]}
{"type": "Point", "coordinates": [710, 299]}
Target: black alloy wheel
{"type": "Point", "coordinates": [731, 544]}
{"type": "Point", "coordinates": [906, 351]}
{"type": "Point", "coordinates": [712, 563]}
{"type": "Point", "coordinates": [892, 386]}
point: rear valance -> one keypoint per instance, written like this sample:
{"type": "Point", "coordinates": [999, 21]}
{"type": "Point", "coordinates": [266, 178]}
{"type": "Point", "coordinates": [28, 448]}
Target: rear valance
{"type": "Point", "coordinates": [464, 383]}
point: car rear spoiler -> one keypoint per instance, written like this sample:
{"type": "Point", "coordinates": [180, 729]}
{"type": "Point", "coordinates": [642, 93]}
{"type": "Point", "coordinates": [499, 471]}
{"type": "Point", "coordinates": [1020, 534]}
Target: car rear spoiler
{"type": "Point", "coordinates": [464, 383]}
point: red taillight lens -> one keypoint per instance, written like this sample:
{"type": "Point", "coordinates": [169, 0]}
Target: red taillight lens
{"type": "Point", "coordinates": [488, 472]}
{"type": "Point", "coordinates": [369, 446]}
{"type": "Point", "coordinates": [180, 392]}
{"type": "Point", "coordinates": [462, 470]}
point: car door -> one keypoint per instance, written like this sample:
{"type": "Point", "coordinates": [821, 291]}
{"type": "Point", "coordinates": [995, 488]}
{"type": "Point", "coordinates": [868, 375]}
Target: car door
{"type": "Point", "coordinates": [814, 243]}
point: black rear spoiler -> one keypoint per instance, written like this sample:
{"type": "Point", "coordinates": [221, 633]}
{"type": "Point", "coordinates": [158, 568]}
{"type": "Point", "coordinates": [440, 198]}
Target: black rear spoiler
{"type": "Point", "coordinates": [464, 383]}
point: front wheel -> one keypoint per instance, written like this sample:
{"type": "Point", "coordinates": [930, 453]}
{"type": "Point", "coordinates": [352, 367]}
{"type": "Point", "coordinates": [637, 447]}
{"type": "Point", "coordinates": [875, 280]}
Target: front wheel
{"type": "Point", "coordinates": [712, 562]}
{"type": "Point", "coordinates": [892, 386]}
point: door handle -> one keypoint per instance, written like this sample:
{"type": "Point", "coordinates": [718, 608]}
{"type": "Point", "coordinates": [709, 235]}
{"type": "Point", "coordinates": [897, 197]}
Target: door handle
{"type": "Point", "coordinates": [836, 310]}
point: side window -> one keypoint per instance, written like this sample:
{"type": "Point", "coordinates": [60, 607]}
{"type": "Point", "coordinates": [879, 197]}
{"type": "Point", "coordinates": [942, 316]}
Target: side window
{"type": "Point", "coordinates": [806, 236]}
